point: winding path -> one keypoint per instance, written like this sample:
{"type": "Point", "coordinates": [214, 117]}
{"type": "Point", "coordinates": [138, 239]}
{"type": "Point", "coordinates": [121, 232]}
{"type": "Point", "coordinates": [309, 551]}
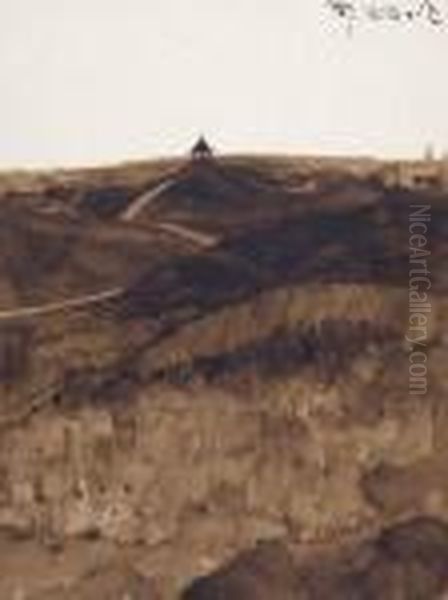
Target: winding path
{"type": "Point", "coordinates": [44, 309]}
{"type": "Point", "coordinates": [199, 238]}
{"type": "Point", "coordinates": [144, 199]}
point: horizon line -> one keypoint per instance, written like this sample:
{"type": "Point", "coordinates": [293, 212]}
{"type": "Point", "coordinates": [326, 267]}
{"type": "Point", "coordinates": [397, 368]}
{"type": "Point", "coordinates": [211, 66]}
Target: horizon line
{"type": "Point", "coordinates": [47, 167]}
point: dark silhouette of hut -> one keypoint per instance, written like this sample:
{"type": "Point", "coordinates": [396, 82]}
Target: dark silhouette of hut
{"type": "Point", "coordinates": [201, 150]}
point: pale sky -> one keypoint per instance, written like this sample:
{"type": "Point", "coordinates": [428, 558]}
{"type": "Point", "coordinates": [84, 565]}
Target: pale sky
{"type": "Point", "coordinates": [91, 81]}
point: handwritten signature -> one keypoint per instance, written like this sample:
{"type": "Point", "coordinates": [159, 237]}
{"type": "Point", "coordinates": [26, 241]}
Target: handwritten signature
{"type": "Point", "coordinates": [352, 12]}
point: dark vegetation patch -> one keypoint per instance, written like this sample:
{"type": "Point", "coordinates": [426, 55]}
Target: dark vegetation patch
{"type": "Point", "coordinates": [106, 202]}
{"type": "Point", "coordinates": [329, 346]}
{"type": "Point", "coordinates": [407, 561]}
{"type": "Point", "coordinates": [216, 191]}
{"type": "Point", "coordinates": [358, 244]}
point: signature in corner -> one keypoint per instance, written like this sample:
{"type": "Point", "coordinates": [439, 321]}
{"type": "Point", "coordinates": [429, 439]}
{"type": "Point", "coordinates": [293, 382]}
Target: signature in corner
{"type": "Point", "coordinates": [355, 11]}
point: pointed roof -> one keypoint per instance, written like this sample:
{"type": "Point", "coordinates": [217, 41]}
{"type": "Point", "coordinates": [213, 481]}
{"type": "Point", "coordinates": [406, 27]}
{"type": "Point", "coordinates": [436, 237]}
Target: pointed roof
{"type": "Point", "coordinates": [201, 147]}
